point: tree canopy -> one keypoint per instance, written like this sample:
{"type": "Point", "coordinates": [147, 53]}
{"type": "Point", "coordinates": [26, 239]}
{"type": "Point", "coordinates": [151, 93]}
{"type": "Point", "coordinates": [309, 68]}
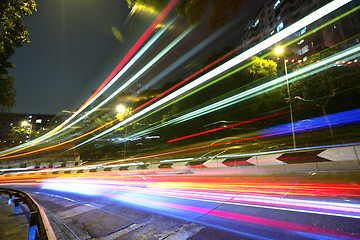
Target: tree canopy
{"type": "Point", "coordinates": [261, 68]}
{"type": "Point", "coordinates": [218, 12]}
{"type": "Point", "coordinates": [13, 33]}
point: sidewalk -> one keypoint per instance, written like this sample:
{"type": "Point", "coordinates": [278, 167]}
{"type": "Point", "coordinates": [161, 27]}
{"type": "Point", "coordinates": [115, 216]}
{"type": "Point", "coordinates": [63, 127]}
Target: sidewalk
{"type": "Point", "coordinates": [12, 227]}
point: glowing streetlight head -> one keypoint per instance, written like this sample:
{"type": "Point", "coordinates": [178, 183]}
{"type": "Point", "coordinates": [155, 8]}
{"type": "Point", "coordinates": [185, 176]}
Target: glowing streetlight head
{"type": "Point", "coordinates": [24, 123]}
{"type": "Point", "coordinates": [279, 50]}
{"type": "Point", "coordinates": [121, 109]}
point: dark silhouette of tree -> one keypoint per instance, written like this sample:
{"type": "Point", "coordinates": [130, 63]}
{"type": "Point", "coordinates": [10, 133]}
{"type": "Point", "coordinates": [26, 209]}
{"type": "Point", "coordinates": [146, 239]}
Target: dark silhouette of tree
{"type": "Point", "coordinates": [218, 12]}
{"type": "Point", "coordinates": [18, 135]}
{"type": "Point", "coordinates": [13, 33]}
{"type": "Point", "coordinates": [322, 88]}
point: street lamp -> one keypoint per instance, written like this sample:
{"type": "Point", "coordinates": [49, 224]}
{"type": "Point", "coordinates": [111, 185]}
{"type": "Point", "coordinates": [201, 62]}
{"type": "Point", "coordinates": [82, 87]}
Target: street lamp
{"type": "Point", "coordinates": [24, 124]}
{"type": "Point", "coordinates": [279, 51]}
{"type": "Point", "coordinates": [121, 109]}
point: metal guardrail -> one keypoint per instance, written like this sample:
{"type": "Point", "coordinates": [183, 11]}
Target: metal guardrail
{"type": "Point", "coordinates": [40, 227]}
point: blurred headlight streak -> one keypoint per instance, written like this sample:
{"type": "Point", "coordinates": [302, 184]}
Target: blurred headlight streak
{"type": "Point", "coordinates": [235, 61]}
{"type": "Point", "coordinates": [188, 55]}
{"type": "Point", "coordinates": [335, 119]}
{"type": "Point", "coordinates": [138, 74]}
{"type": "Point", "coordinates": [242, 96]}
{"type": "Point", "coordinates": [227, 102]}
{"type": "Point", "coordinates": [189, 195]}
{"type": "Point", "coordinates": [103, 87]}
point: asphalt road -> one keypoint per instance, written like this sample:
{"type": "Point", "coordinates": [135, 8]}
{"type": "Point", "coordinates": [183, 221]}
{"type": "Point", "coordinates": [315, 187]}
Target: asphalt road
{"type": "Point", "coordinates": [277, 206]}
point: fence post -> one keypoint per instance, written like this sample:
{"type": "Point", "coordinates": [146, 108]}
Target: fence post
{"type": "Point", "coordinates": [33, 224]}
{"type": "Point", "coordinates": [17, 206]}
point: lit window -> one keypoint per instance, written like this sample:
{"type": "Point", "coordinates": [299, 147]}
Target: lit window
{"type": "Point", "coordinates": [279, 27]}
{"type": "Point", "coordinates": [276, 4]}
{"type": "Point", "coordinates": [303, 31]}
{"type": "Point", "coordinates": [38, 120]}
{"type": "Point", "coordinates": [272, 32]}
{"type": "Point", "coordinates": [305, 49]}
{"type": "Point", "coordinates": [254, 24]}
{"type": "Point", "coordinates": [300, 42]}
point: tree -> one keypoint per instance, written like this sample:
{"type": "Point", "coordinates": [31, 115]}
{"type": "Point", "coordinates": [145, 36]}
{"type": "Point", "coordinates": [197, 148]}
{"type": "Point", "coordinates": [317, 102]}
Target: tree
{"type": "Point", "coordinates": [7, 93]}
{"type": "Point", "coordinates": [325, 87]}
{"type": "Point", "coordinates": [322, 87]}
{"type": "Point", "coordinates": [218, 12]}
{"type": "Point", "coordinates": [261, 68]}
{"type": "Point", "coordinates": [18, 135]}
{"type": "Point", "coordinates": [157, 4]}
{"type": "Point", "coordinates": [13, 33]}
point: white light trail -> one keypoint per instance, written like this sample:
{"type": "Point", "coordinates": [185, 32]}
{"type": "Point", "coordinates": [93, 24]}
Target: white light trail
{"type": "Point", "coordinates": [312, 17]}
{"type": "Point", "coordinates": [117, 76]}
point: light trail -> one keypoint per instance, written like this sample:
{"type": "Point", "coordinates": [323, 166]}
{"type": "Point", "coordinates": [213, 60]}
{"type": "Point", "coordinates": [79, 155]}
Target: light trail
{"type": "Point", "coordinates": [312, 17]}
{"type": "Point", "coordinates": [122, 123]}
{"type": "Point", "coordinates": [139, 73]}
{"type": "Point", "coordinates": [271, 85]}
{"type": "Point", "coordinates": [60, 144]}
{"type": "Point", "coordinates": [226, 127]}
{"type": "Point", "coordinates": [331, 120]}
{"type": "Point", "coordinates": [207, 196]}
{"type": "Point", "coordinates": [191, 53]}
{"type": "Point", "coordinates": [103, 86]}
{"type": "Point", "coordinates": [135, 77]}
{"type": "Point", "coordinates": [127, 57]}
{"type": "Point", "coordinates": [221, 104]}
{"type": "Point", "coordinates": [342, 118]}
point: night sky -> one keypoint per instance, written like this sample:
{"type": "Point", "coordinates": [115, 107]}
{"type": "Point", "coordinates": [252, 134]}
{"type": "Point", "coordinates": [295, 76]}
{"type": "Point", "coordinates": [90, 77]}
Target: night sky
{"type": "Point", "coordinates": [70, 40]}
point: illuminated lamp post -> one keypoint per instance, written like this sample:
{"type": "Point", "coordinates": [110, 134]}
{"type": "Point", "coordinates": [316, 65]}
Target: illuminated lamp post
{"type": "Point", "coordinates": [279, 51]}
{"type": "Point", "coordinates": [121, 110]}
{"type": "Point", "coordinates": [26, 123]}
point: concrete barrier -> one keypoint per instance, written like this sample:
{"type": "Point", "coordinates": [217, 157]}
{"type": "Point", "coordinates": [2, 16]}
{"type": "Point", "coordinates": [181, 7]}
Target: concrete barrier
{"type": "Point", "coordinates": [315, 159]}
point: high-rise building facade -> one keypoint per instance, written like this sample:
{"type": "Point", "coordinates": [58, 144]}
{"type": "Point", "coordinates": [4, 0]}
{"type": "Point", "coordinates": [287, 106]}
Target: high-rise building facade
{"type": "Point", "coordinates": [329, 31]}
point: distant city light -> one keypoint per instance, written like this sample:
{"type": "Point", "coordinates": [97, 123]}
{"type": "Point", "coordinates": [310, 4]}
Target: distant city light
{"type": "Point", "coordinates": [279, 27]}
{"type": "Point", "coordinates": [303, 31]}
{"type": "Point", "coordinates": [276, 4]}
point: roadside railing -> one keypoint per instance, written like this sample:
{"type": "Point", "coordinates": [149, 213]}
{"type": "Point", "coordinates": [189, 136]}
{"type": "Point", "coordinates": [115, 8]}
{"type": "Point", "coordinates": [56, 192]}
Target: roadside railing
{"type": "Point", "coordinates": [39, 225]}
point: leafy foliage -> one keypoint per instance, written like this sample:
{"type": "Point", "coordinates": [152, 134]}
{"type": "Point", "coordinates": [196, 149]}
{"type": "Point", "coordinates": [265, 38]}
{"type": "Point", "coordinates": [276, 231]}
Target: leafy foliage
{"type": "Point", "coordinates": [18, 135]}
{"type": "Point", "coordinates": [157, 4]}
{"type": "Point", "coordinates": [13, 33]}
{"type": "Point", "coordinates": [218, 12]}
{"type": "Point", "coordinates": [261, 68]}
{"type": "Point", "coordinates": [7, 93]}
